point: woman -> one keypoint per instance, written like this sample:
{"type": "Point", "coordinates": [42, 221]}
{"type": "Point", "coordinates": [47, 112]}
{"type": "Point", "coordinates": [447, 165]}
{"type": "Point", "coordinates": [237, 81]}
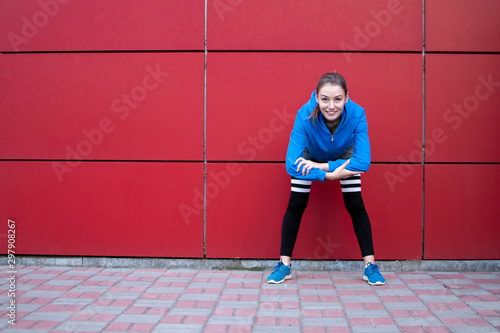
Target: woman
{"type": "Point", "coordinates": [331, 128]}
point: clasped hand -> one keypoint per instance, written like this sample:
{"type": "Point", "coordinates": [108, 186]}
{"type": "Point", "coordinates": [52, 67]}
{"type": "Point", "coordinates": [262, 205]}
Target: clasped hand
{"type": "Point", "coordinates": [339, 173]}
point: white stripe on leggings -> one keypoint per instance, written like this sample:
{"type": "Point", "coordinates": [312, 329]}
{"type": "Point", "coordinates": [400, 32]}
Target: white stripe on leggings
{"type": "Point", "coordinates": [301, 182]}
{"type": "Point", "coordinates": [302, 190]}
{"type": "Point", "coordinates": [351, 189]}
{"type": "Point", "coordinates": [350, 181]}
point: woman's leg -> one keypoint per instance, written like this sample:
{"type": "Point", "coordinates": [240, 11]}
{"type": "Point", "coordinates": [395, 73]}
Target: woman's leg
{"type": "Point", "coordinates": [297, 204]}
{"type": "Point", "coordinates": [351, 191]}
{"type": "Point", "coordinates": [290, 228]}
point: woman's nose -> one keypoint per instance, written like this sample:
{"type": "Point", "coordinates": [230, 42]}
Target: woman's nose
{"type": "Point", "coordinates": [331, 104]}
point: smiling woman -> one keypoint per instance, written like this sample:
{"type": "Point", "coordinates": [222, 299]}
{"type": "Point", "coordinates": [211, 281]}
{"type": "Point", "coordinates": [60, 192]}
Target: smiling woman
{"type": "Point", "coordinates": [329, 141]}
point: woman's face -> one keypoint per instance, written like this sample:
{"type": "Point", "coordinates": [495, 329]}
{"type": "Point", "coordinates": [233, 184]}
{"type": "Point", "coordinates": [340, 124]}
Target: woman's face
{"type": "Point", "coordinates": [331, 99]}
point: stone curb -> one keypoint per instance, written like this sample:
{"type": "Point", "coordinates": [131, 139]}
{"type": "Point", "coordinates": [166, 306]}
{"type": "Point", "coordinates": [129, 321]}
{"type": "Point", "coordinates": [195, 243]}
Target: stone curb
{"type": "Point", "coordinates": [256, 264]}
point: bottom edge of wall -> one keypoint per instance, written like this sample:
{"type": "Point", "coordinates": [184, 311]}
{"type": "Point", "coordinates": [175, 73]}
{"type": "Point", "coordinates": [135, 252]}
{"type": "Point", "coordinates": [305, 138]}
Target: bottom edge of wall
{"type": "Point", "coordinates": [253, 264]}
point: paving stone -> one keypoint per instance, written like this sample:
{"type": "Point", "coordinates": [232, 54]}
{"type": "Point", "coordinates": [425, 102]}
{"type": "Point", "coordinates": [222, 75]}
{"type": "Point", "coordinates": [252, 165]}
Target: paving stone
{"type": "Point", "coordinates": [484, 305]}
{"type": "Point", "coordinates": [34, 276]}
{"type": "Point", "coordinates": [91, 289]}
{"type": "Point", "coordinates": [78, 272]}
{"type": "Point", "coordinates": [473, 292]}
{"type": "Point", "coordinates": [189, 311]}
{"type": "Point", "coordinates": [455, 313]}
{"type": "Point", "coordinates": [278, 313]}
{"type": "Point", "coordinates": [120, 295]}
{"type": "Point", "coordinates": [133, 284]}
{"type": "Point", "coordinates": [322, 292]}
{"type": "Point", "coordinates": [43, 293]}
{"type": "Point", "coordinates": [82, 326]}
{"type": "Point", "coordinates": [240, 291]}
{"type": "Point", "coordinates": [199, 297]}
{"type": "Point", "coordinates": [361, 286]}
{"type": "Point", "coordinates": [72, 301]}
{"type": "Point", "coordinates": [359, 299]}
{"type": "Point", "coordinates": [174, 279]}
{"type": "Point", "coordinates": [62, 282]}
{"type": "Point", "coordinates": [105, 278]}
{"type": "Point", "coordinates": [48, 316]}
{"type": "Point", "coordinates": [405, 306]}
{"type": "Point", "coordinates": [367, 313]}
{"type": "Point", "coordinates": [395, 292]}
{"type": "Point", "coordinates": [413, 276]}
{"type": "Point", "coordinates": [275, 329]}
{"type": "Point", "coordinates": [230, 320]}
{"type": "Point", "coordinates": [165, 290]}
{"type": "Point", "coordinates": [206, 285]}
{"type": "Point", "coordinates": [178, 328]}
{"type": "Point", "coordinates": [138, 318]}
{"type": "Point", "coordinates": [243, 280]}
{"type": "Point", "coordinates": [425, 286]}
{"type": "Point", "coordinates": [147, 273]}
{"type": "Point", "coordinates": [153, 303]}
{"type": "Point", "coordinates": [279, 298]}
{"type": "Point", "coordinates": [237, 304]}
{"type": "Point", "coordinates": [16, 330]}
{"type": "Point", "coordinates": [26, 307]}
{"type": "Point", "coordinates": [315, 281]}
{"type": "Point", "coordinates": [409, 321]}
{"type": "Point", "coordinates": [321, 306]}
{"type": "Point", "coordinates": [384, 329]}
{"type": "Point", "coordinates": [439, 298]}
{"type": "Point", "coordinates": [324, 322]}
{"type": "Point", "coordinates": [217, 275]}
{"type": "Point", "coordinates": [104, 309]}
{"type": "Point", "coordinates": [468, 329]}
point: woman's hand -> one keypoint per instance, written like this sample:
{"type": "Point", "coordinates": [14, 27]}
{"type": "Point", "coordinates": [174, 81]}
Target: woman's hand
{"type": "Point", "coordinates": [307, 165]}
{"type": "Point", "coordinates": [341, 172]}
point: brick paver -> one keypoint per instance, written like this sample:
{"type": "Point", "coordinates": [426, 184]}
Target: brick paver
{"type": "Point", "coordinates": [66, 299]}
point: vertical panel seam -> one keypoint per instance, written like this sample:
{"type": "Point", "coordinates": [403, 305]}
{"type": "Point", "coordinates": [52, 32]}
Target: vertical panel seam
{"type": "Point", "coordinates": [205, 139]}
{"type": "Point", "coordinates": [423, 128]}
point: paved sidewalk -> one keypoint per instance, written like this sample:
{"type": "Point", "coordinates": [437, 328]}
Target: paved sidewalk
{"type": "Point", "coordinates": [65, 299]}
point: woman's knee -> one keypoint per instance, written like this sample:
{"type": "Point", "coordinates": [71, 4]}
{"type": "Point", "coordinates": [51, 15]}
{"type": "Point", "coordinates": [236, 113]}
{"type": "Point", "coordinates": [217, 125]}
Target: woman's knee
{"type": "Point", "coordinates": [298, 202]}
{"type": "Point", "coordinates": [354, 202]}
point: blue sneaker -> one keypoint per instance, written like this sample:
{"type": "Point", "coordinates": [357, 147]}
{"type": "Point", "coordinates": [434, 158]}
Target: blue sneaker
{"type": "Point", "coordinates": [372, 275]}
{"type": "Point", "coordinates": [281, 272]}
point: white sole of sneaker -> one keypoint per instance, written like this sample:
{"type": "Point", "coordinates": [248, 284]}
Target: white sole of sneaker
{"type": "Point", "coordinates": [378, 283]}
{"type": "Point", "coordinates": [287, 277]}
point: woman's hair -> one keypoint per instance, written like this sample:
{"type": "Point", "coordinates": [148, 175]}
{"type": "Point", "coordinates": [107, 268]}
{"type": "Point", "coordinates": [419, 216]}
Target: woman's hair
{"type": "Point", "coordinates": [334, 79]}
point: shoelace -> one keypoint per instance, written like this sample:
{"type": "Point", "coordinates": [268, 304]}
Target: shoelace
{"type": "Point", "coordinates": [374, 268]}
{"type": "Point", "coordinates": [277, 267]}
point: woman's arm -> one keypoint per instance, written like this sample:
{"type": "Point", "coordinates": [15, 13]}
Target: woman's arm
{"type": "Point", "coordinates": [294, 155]}
{"type": "Point", "coordinates": [341, 172]}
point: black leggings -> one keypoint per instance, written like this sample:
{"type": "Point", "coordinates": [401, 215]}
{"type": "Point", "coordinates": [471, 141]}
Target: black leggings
{"type": "Point", "coordinates": [299, 197]}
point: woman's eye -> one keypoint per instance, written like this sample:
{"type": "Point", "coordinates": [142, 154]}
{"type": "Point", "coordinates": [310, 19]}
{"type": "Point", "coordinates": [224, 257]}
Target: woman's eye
{"type": "Point", "coordinates": [325, 100]}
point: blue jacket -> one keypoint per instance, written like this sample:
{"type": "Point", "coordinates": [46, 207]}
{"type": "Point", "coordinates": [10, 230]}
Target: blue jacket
{"type": "Point", "coordinates": [323, 146]}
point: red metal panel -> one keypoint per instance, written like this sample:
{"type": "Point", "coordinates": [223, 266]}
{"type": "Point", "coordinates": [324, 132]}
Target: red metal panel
{"type": "Point", "coordinates": [462, 25]}
{"type": "Point", "coordinates": [102, 209]}
{"type": "Point", "coordinates": [315, 25]}
{"type": "Point", "coordinates": [83, 25]}
{"type": "Point", "coordinates": [461, 211]}
{"type": "Point", "coordinates": [463, 99]}
{"type": "Point", "coordinates": [250, 116]}
{"type": "Point", "coordinates": [245, 221]}
{"type": "Point", "coordinates": [102, 106]}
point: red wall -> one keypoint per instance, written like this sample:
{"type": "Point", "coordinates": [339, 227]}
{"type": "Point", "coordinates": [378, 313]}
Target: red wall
{"type": "Point", "coordinates": [106, 130]}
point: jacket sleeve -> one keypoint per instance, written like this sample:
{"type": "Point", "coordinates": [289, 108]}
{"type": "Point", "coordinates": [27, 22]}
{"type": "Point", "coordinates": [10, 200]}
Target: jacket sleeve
{"type": "Point", "coordinates": [295, 150]}
{"type": "Point", "coordinates": [361, 155]}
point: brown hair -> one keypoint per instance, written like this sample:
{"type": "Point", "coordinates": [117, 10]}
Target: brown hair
{"type": "Point", "coordinates": [334, 79]}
